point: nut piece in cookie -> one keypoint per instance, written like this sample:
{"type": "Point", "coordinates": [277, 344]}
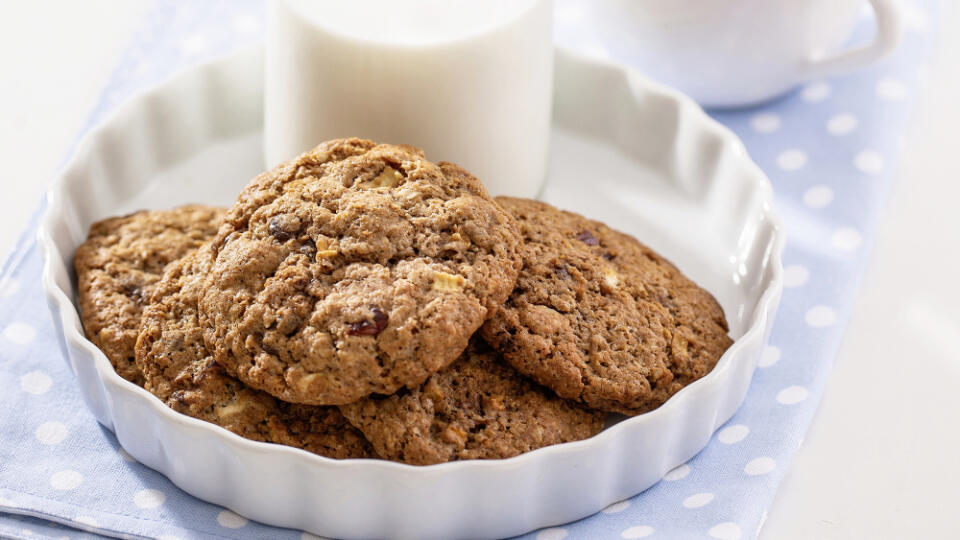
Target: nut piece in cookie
{"type": "Point", "coordinates": [354, 269]}
{"type": "Point", "coordinates": [179, 370]}
{"type": "Point", "coordinates": [600, 318]}
{"type": "Point", "coordinates": [476, 408]}
{"type": "Point", "coordinates": [119, 265]}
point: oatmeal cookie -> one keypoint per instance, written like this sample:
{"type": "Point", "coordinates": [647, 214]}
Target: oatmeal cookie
{"type": "Point", "coordinates": [354, 269]}
{"type": "Point", "coordinates": [600, 318]}
{"type": "Point", "coordinates": [476, 408]}
{"type": "Point", "coordinates": [119, 265]}
{"type": "Point", "coordinates": [177, 368]}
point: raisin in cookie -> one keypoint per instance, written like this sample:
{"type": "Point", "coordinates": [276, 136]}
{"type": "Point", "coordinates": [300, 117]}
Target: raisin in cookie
{"type": "Point", "coordinates": [179, 370]}
{"type": "Point", "coordinates": [120, 263]}
{"type": "Point", "coordinates": [355, 268]}
{"type": "Point", "coordinates": [476, 408]}
{"type": "Point", "coordinates": [600, 318]}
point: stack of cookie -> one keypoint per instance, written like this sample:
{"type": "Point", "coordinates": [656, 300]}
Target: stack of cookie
{"type": "Point", "coordinates": [361, 301]}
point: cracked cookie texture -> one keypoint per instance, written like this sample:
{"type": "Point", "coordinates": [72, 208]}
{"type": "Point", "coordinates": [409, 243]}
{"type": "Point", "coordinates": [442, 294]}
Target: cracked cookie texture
{"type": "Point", "coordinates": [600, 318]}
{"type": "Point", "coordinates": [355, 269]}
{"type": "Point", "coordinates": [179, 370]}
{"type": "Point", "coordinates": [119, 265]}
{"type": "Point", "coordinates": [476, 408]}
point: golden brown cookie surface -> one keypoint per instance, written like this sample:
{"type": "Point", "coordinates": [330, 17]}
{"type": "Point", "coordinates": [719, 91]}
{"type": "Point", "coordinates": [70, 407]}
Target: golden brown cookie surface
{"type": "Point", "coordinates": [355, 269]}
{"type": "Point", "coordinates": [600, 318]}
{"type": "Point", "coordinates": [476, 408]}
{"type": "Point", "coordinates": [119, 265]}
{"type": "Point", "coordinates": [178, 369]}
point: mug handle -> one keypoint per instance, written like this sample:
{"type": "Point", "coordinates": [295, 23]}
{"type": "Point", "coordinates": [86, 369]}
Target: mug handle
{"type": "Point", "coordinates": [889, 34]}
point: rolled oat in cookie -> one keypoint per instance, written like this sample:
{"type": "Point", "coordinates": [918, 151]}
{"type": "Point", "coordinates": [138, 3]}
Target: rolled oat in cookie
{"type": "Point", "coordinates": [600, 318]}
{"type": "Point", "coordinates": [476, 408]}
{"type": "Point", "coordinates": [119, 265]}
{"type": "Point", "coordinates": [178, 369]}
{"type": "Point", "coordinates": [354, 269]}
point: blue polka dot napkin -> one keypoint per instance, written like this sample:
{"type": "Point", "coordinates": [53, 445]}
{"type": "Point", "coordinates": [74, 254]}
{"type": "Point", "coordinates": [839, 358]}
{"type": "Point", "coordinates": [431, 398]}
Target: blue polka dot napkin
{"type": "Point", "coordinates": [829, 148]}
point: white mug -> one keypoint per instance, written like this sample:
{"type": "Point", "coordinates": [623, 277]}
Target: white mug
{"type": "Point", "coordinates": [730, 53]}
{"type": "Point", "coordinates": [469, 82]}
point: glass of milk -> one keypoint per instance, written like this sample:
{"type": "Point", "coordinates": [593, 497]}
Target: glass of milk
{"type": "Point", "coordinates": [469, 81]}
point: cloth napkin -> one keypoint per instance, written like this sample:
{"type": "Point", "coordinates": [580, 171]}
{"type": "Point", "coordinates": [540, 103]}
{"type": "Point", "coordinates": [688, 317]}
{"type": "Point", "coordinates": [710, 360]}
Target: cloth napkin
{"type": "Point", "coordinates": [829, 149]}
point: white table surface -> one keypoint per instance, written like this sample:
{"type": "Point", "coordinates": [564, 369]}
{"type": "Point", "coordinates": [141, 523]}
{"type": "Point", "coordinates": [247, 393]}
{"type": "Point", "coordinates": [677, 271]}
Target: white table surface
{"type": "Point", "coordinates": [882, 459]}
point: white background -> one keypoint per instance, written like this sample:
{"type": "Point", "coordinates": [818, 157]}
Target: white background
{"type": "Point", "coordinates": [882, 459]}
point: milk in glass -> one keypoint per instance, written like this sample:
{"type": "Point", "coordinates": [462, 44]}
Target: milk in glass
{"type": "Point", "coordinates": [469, 81]}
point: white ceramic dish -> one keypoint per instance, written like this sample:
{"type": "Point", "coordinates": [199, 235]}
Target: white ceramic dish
{"type": "Point", "coordinates": [733, 53]}
{"type": "Point", "coordinates": [636, 155]}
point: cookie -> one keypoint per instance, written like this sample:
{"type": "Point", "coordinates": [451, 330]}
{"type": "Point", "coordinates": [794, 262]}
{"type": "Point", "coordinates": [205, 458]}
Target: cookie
{"type": "Point", "coordinates": [354, 269]}
{"type": "Point", "coordinates": [119, 265]}
{"type": "Point", "coordinates": [600, 318]}
{"type": "Point", "coordinates": [476, 408]}
{"type": "Point", "coordinates": [177, 368]}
